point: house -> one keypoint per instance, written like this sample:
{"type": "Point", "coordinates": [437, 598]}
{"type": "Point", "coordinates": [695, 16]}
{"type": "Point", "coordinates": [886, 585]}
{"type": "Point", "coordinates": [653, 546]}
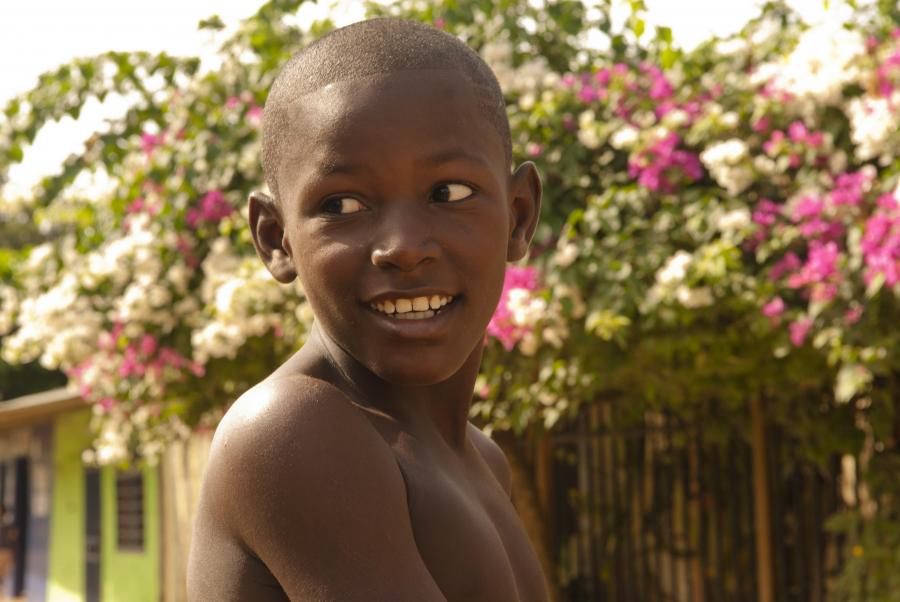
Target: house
{"type": "Point", "coordinates": [85, 533]}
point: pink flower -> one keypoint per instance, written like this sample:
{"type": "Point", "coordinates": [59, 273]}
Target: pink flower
{"type": "Point", "coordinates": [821, 265]}
{"type": "Point", "coordinates": [853, 314]}
{"type": "Point", "coordinates": [880, 243]}
{"type": "Point", "coordinates": [196, 369]}
{"type": "Point", "coordinates": [762, 124]}
{"type": "Point", "coordinates": [136, 206]}
{"type": "Point", "coordinates": [815, 139]}
{"type": "Point", "coordinates": [849, 189]}
{"type": "Point", "coordinates": [232, 102]}
{"type": "Point", "coordinates": [788, 263]}
{"type": "Point", "coordinates": [773, 308]}
{"type": "Point", "coordinates": [501, 325]}
{"type": "Point", "coordinates": [149, 142]}
{"type": "Point", "coordinates": [824, 292]}
{"type": "Point", "coordinates": [797, 131]}
{"type": "Point", "coordinates": [254, 116]}
{"type": "Point", "coordinates": [130, 364]}
{"type": "Point", "coordinates": [533, 149]}
{"type": "Point", "coordinates": [603, 76]}
{"type": "Point", "coordinates": [808, 207]}
{"type": "Point", "coordinates": [799, 330]}
{"type": "Point", "coordinates": [212, 208]}
{"type": "Point", "coordinates": [440, 23]}
{"type": "Point", "coordinates": [107, 403]}
{"type": "Point", "coordinates": [765, 212]}
{"type": "Point", "coordinates": [662, 166]}
{"type": "Point", "coordinates": [772, 144]}
{"type": "Point", "coordinates": [147, 345]}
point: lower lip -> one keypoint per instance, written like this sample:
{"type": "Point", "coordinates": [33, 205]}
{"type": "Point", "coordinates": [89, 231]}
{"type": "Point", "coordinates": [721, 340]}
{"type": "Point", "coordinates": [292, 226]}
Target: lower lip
{"type": "Point", "coordinates": [424, 328]}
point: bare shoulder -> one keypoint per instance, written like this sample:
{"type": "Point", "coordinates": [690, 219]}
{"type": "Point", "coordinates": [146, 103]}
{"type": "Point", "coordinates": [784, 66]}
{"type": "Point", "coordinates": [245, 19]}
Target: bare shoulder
{"type": "Point", "coordinates": [284, 435]}
{"type": "Point", "coordinates": [301, 482]}
{"type": "Point", "coordinates": [493, 456]}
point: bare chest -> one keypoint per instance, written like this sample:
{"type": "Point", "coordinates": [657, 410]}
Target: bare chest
{"type": "Point", "coordinates": [469, 535]}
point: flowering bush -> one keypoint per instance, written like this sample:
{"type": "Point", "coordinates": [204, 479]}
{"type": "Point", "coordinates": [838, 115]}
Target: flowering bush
{"type": "Point", "coordinates": [718, 225]}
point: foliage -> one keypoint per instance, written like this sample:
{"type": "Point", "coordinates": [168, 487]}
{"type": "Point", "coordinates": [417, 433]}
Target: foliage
{"type": "Point", "coordinates": [719, 225]}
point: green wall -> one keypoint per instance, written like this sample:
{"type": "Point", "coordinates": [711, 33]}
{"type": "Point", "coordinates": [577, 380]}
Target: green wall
{"type": "Point", "coordinates": [125, 576]}
{"type": "Point", "coordinates": [65, 570]}
{"type": "Point", "coordinates": [130, 576]}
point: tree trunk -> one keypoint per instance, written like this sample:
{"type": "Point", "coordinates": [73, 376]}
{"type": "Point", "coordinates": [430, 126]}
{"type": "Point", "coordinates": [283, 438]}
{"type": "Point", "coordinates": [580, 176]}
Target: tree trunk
{"type": "Point", "coordinates": [761, 504]}
{"type": "Point", "coordinates": [526, 500]}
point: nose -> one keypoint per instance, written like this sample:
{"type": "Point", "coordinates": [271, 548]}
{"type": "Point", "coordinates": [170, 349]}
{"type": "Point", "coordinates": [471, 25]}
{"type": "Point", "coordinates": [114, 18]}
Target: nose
{"type": "Point", "coordinates": [404, 240]}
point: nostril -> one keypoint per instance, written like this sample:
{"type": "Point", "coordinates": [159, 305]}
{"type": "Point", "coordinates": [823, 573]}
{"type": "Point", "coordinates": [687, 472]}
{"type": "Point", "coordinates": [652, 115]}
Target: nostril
{"type": "Point", "coordinates": [404, 257]}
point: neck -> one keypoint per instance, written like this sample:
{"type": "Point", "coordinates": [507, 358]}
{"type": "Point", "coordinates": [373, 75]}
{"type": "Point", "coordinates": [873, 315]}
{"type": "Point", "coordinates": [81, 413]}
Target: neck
{"type": "Point", "coordinates": [440, 409]}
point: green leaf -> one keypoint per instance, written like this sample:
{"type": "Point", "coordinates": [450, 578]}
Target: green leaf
{"type": "Point", "coordinates": [213, 23]}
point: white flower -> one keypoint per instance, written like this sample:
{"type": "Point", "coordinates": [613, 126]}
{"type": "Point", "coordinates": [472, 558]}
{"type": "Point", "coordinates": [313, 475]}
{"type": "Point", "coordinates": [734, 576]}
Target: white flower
{"type": "Point", "coordinates": [675, 119]}
{"type": "Point", "coordinates": [693, 298]}
{"type": "Point", "coordinates": [566, 255]}
{"type": "Point", "coordinates": [822, 63]}
{"type": "Point", "coordinates": [730, 119]}
{"type": "Point", "coordinates": [724, 162]}
{"type": "Point", "coordinates": [589, 137]}
{"type": "Point", "coordinates": [624, 137]}
{"type": "Point", "coordinates": [675, 268]}
{"type": "Point", "coordinates": [874, 123]}
{"type": "Point", "coordinates": [736, 219]}
{"type": "Point", "coordinates": [732, 46]}
{"type": "Point", "coordinates": [9, 305]}
{"type": "Point", "coordinates": [729, 152]}
{"type": "Point", "coordinates": [526, 309]}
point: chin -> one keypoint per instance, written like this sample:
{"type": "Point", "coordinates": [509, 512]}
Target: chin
{"type": "Point", "coordinates": [412, 373]}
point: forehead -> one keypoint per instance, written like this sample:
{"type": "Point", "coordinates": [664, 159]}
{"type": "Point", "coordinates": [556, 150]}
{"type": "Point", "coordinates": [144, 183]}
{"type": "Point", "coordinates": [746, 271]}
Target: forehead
{"type": "Point", "coordinates": [400, 115]}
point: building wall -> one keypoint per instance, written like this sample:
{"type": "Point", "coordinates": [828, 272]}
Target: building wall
{"type": "Point", "coordinates": [125, 576]}
{"type": "Point", "coordinates": [37, 544]}
{"type": "Point", "coordinates": [67, 523]}
{"type": "Point", "coordinates": [129, 576]}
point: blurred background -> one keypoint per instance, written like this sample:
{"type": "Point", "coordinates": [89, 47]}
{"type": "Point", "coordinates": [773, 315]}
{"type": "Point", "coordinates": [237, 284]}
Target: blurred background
{"type": "Point", "coordinates": [694, 375]}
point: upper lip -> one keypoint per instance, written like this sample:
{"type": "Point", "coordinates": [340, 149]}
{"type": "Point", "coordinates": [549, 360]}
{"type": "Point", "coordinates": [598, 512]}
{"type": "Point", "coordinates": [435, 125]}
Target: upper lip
{"type": "Point", "coordinates": [409, 294]}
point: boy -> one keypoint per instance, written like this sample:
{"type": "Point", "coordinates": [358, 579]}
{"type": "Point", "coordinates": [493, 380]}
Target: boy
{"type": "Point", "coordinates": [352, 472]}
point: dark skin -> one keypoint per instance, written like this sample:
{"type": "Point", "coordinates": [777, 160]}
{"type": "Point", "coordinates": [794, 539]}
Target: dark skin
{"type": "Point", "coordinates": [352, 472]}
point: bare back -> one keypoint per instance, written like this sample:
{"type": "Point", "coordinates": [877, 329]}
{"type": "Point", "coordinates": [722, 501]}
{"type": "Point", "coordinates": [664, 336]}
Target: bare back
{"type": "Point", "coordinates": [309, 496]}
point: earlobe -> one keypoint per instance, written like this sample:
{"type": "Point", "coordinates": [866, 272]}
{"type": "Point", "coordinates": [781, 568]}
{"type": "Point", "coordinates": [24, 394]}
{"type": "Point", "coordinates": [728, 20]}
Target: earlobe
{"type": "Point", "coordinates": [524, 209]}
{"type": "Point", "coordinates": [267, 229]}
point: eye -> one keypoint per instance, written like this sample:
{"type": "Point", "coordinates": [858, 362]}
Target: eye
{"type": "Point", "coordinates": [342, 205]}
{"type": "Point", "coordinates": [449, 193]}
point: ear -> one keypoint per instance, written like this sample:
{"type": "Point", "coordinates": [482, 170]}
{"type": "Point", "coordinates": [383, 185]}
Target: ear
{"type": "Point", "coordinates": [267, 228]}
{"type": "Point", "coordinates": [524, 209]}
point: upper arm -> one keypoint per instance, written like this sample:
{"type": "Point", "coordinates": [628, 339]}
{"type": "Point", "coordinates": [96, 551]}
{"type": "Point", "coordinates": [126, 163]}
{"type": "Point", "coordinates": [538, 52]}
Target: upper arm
{"type": "Point", "coordinates": [493, 457]}
{"type": "Point", "coordinates": [312, 490]}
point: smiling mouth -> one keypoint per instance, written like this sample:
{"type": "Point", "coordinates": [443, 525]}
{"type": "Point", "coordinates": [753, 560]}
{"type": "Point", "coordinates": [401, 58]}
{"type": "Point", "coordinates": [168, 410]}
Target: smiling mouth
{"type": "Point", "coordinates": [413, 308]}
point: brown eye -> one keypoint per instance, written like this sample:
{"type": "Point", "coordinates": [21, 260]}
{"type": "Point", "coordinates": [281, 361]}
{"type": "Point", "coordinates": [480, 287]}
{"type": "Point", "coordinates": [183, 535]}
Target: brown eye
{"type": "Point", "coordinates": [342, 205]}
{"type": "Point", "coordinates": [449, 193]}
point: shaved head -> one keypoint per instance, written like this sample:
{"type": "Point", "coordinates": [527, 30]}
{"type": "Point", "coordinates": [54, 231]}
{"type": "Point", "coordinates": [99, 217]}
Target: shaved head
{"type": "Point", "coordinates": [367, 48]}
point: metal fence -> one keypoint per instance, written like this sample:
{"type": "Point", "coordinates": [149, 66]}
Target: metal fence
{"type": "Point", "coordinates": [662, 513]}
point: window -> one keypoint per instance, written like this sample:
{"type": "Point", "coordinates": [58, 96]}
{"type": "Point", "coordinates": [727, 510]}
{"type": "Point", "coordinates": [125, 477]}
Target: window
{"type": "Point", "coordinates": [130, 511]}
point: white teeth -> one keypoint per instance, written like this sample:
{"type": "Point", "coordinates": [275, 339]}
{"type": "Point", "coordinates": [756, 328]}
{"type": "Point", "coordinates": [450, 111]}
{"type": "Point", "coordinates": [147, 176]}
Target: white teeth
{"type": "Point", "coordinates": [416, 308]}
{"type": "Point", "coordinates": [415, 315]}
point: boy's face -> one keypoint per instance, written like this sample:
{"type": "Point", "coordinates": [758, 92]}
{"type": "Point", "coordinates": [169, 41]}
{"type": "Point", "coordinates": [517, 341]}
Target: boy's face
{"type": "Point", "coordinates": [398, 189]}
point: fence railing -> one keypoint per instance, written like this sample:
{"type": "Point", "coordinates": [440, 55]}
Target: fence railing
{"type": "Point", "coordinates": [661, 512]}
